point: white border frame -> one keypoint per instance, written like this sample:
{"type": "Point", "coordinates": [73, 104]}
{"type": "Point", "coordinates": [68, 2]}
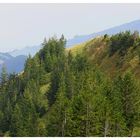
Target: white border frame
{"type": "Point", "coordinates": [69, 1]}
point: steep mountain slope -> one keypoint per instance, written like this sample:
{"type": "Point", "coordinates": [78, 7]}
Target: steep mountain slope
{"type": "Point", "coordinates": [113, 56]}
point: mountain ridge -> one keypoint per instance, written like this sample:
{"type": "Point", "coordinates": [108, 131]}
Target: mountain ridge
{"type": "Point", "coordinates": [132, 26]}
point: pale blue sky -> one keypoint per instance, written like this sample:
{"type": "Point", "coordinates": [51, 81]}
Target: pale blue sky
{"type": "Point", "coordinates": [24, 25]}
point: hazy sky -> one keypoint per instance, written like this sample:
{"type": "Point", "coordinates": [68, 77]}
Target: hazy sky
{"type": "Point", "coordinates": [24, 25]}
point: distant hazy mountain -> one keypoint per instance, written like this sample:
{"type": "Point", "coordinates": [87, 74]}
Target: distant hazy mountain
{"type": "Point", "coordinates": [132, 26]}
{"type": "Point", "coordinates": [12, 64]}
{"type": "Point", "coordinates": [4, 57]}
{"type": "Point", "coordinates": [15, 60]}
{"type": "Point", "coordinates": [26, 51]}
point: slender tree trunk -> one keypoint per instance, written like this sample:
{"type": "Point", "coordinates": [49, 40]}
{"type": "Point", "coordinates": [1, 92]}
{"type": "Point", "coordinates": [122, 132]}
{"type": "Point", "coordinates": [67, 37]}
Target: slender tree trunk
{"type": "Point", "coordinates": [116, 129]}
{"type": "Point", "coordinates": [131, 132]}
{"type": "Point", "coordinates": [64, 124]}
{"type": "Point", "coordinates": [106, 128]}
{"type": "Point", "coordinates": [87, 120]}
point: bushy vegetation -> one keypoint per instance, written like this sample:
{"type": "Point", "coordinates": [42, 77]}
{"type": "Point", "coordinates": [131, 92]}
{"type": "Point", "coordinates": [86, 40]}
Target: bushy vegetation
{"type": "Point", "coordinates": [61, 94]}
{"type": "Point", "coordinates": [122, 41]}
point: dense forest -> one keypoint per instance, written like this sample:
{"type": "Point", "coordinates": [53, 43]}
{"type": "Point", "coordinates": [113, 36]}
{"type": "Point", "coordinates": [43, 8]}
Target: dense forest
{"type": "Point", "coordinates": [92, 89]}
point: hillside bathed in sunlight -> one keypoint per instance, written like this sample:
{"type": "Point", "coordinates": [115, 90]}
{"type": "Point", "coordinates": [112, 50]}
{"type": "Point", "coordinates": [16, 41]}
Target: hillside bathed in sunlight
{"type": "Point", "coordinates": [82, 80]}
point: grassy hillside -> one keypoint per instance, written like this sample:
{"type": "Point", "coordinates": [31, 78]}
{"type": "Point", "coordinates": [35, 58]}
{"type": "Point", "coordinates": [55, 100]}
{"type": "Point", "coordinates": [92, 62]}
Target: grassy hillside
{"type": "Point", "coordinates": [97, 51]}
